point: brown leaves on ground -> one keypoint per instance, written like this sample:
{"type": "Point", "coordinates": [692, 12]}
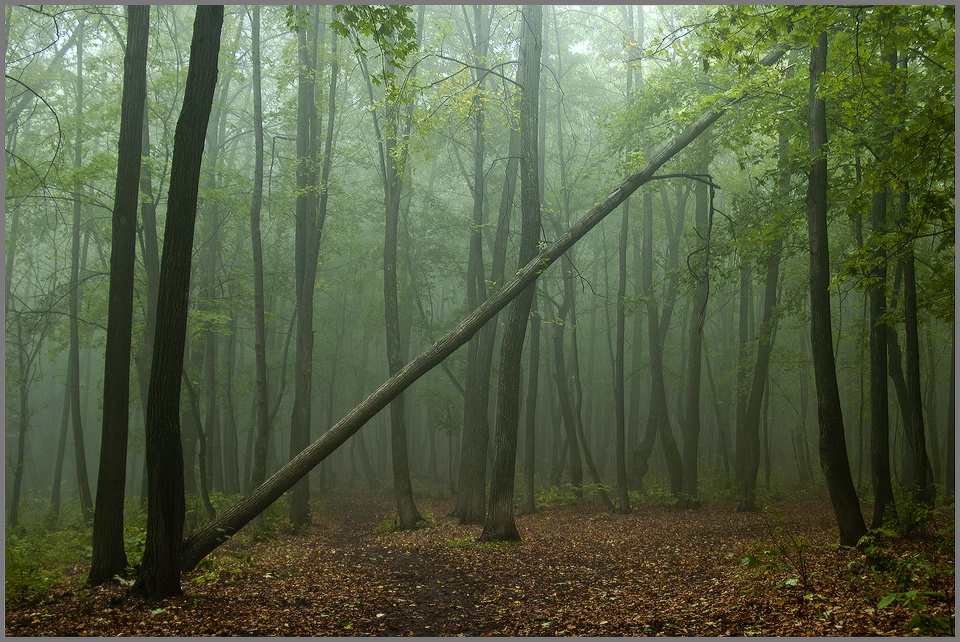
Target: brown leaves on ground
{"type": "Point", "coordinates": [579, 571]}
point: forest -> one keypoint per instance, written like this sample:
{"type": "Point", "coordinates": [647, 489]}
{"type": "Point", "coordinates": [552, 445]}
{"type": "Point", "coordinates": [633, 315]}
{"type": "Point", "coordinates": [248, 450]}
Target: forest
{"type": "Point", "coordinates": [287, 351]}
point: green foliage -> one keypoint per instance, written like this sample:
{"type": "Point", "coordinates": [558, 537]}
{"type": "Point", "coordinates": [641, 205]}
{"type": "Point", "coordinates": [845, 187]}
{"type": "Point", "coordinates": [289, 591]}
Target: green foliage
{"type": "Point", "coordinates": [390, 27]}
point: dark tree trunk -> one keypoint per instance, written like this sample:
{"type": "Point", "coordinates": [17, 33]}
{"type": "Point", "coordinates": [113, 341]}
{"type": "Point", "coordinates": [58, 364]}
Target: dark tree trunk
{"type": "Point", "coordinates": [200, 543]}
{"type": "Point", "coordinates": [951, 480]}
{"type": "Point", "coordinates": [109, 558]}
{"type": "Point", "coordinates": [159, 574]}
{"type": "Point", "coordinates": [920, 486]}
{"type": "Point", "coordinates": [204, 473]}
{"type": "Point", "coordinates": [500, 524]}
{"type": "Point", "coordinates": [833, 448]}
{"type": "Point", "coordinates": [306, 262]}
{"type": "Point", "coordinates": [759, 382]}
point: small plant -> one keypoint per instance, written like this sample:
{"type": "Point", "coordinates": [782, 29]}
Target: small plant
{"type": "Point", "coordinates": [789, 547]}
{"type": "Point", "coordinates": [387, 526]}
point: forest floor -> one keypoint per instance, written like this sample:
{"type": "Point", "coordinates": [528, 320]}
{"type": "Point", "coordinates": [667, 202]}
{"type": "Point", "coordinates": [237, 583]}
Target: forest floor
{"type": "Point", "coordinates": [579, 571]}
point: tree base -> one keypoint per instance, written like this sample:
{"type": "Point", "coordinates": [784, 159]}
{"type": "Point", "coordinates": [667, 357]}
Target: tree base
{"type": "Point", "coordinates": [506, 532]}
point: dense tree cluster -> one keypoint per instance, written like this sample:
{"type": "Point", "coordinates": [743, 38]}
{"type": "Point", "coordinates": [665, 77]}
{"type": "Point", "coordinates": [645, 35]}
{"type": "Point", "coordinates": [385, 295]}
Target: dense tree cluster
{"type": "Point", "coordinates": [227, 228]}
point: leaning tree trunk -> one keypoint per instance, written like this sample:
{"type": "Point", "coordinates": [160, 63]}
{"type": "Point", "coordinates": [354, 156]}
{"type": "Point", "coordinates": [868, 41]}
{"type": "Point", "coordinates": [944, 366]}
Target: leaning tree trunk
{"type": "Point", "coordinates": [109, 558]}
{"type": "Point", "coordinates": [206, 539]}
{"type": "Point", "coordinates": [500, 524]}
{"type": "Point", "coordinates": [159, 574]}
{"type": "Point", "coordinates": [833, 447]}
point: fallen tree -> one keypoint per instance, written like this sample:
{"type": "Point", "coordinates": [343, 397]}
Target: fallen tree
{"type": "Point", "coordinates": [205, 540]}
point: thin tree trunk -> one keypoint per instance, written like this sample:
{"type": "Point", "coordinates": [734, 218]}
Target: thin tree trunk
{"type": "Point", "coordinates": [159, 573]}
{"type": "Point", "coordinates": [86, 502]}
{"type": "Point", "coordinates": [306, 264]}
{"type": "Point", "coordinates": [833, 448]}
{"type": "Point", "coordinates": [109, 558]}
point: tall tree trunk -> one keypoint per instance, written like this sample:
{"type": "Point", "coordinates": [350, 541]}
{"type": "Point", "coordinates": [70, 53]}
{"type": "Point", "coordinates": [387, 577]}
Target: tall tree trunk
{"type": "Point", "coordinates": [258, 471]}
{"type": "Point", "coordinates": [306, 261]}
{"type": "Point", "coordinates": [159, 573]}
{"type": "Point", "coordinates": [767, 334]}
{"type": "Point", "coordinates": [530, 438]}
{"type": "Point", "coordinates": [209, 537]}
{"type": "Point", "coordinates": [833, 447]}
{"type": "Point", "coordinates": [691, 424]}
{"type": "Point", "coordinates": [61, 452]}
{"type": "Point", "coordinates": [231, 446]}
{"type": "Point", "coordinates": [471, 498]}
{"type": "Point", "coordinates": [109, 558]}
{"type": "Point", "coordinates": [393, 168]}
{"type": "Point", "coordinates": [500, 524]}
{"type": "Point", "coordinates": [86, 502]}
{"type": "Point", "coordinates": [920, 486]}
{"type": "Point", "coordinates": [879, 414]}
{"type": "Point", "coordinates": [951, 480]}
{"type": "Point", "coordinates": [619, 402]}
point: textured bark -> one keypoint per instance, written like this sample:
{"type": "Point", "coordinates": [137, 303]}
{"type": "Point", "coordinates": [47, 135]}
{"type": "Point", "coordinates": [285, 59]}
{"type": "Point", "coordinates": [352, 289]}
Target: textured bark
{"type": "Point", "coordinates": [500, 524]}
{"type": "Point", "coordinates": [305, 262]}
{"type": "Point", "coordinates": [109, 558]}
{"type": "Point", "coordinates": [159, 574]}
{"type": "Point", "coordinates": [200, 543]}
{"type": "Point", "coordinates": [833, 448]}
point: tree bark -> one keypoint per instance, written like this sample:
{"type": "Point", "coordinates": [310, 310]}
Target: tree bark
{"type": "Point", "coordinates": [159, 574]}
{"type": "Point", "coordinates": [833, 448]}
{"type": "Point", "coordinates": [109, 558]}
{"type": "Point", "coordinates": [500, 524]}
{"type": "Point", "coordinates": [921, 488]}
{"type": "Point", "coordinates": [306, 262]}
{"type": "Point", "coordinates": [206, 539]}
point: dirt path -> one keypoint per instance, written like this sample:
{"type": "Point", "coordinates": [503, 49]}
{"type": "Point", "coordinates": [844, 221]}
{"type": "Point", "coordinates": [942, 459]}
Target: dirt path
{"type": "Point", "coordinates": [580, 571]}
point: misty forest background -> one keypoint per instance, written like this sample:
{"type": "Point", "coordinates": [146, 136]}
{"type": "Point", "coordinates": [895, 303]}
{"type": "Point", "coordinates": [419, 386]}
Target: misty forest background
{"type": "Point", "coordinates": [372, 175]}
